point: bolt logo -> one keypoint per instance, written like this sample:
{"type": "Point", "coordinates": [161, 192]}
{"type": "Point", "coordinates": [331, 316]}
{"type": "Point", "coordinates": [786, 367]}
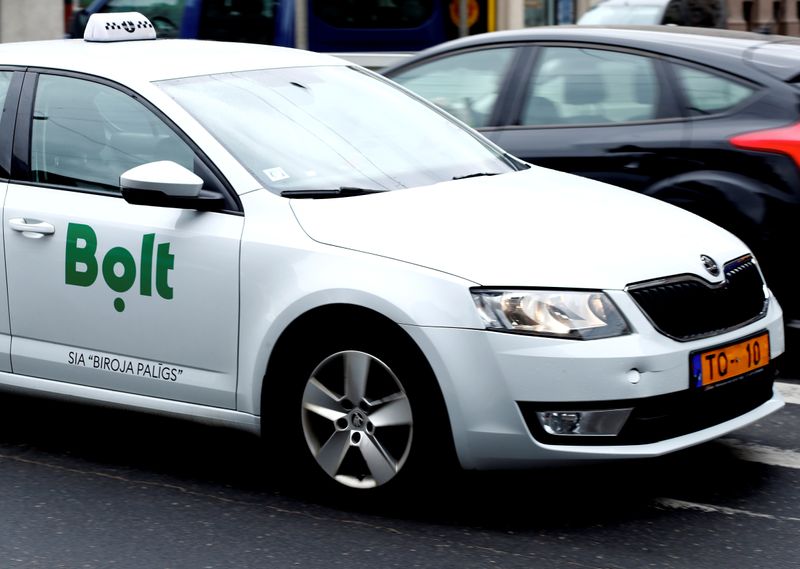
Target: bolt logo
{"type": "Point", "coordinates": [118, 266]}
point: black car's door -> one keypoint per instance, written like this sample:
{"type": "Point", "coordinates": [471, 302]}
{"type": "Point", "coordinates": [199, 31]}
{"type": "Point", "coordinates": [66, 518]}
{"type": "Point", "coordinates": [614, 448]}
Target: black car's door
{"type": "Point", "coordinates": [472, 84]}
{"type": "Point", "coordinates": [594, 111]}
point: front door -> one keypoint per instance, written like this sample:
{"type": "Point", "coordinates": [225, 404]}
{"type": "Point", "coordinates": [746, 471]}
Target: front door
{"type": "Point", "coordinates": [103, 293]}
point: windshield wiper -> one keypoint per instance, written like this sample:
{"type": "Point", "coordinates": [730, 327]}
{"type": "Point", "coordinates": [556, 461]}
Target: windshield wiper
{"type": "Point", "coordinates": [344, 191]}
{"type": "Point", "coordinates": [475, 175]}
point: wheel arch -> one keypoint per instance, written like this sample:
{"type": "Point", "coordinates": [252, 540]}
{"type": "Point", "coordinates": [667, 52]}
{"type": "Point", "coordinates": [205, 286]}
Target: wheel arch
{"type": "Point", "coordinates": [725, 198]}
{"type": "Point", "coordinates": [352, 317]}
{"type": "Point", "coordinates": [348, 317]}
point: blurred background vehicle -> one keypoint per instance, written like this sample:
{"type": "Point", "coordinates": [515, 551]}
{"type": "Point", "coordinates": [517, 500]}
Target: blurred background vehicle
{"type": "Point", "coordinates": [352, 25]}
{"type": "Point", "coordinates": [708, 120]}
{"type": "Point", "coordinates": [698, 13]}
{"type": "Point", "coordinates": [319, 25]}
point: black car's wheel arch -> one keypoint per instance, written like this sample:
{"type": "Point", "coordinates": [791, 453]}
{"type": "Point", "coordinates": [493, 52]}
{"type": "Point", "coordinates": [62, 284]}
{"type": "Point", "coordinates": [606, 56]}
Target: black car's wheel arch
{"type": "Point", "coordinates": [757, 213]}
{"type": "Point", "coordinates": [738, 203]}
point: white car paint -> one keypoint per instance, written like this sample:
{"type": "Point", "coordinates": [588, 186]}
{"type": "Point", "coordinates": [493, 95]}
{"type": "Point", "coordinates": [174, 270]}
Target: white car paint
{"type": "Point", "coordinates": [410, 255]}
{"type": "Point", "coordinates": [537, 227]}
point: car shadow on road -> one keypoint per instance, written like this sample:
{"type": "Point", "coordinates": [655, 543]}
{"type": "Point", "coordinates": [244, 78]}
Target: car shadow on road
{"type": "Point", "coordinates": [229, 464]}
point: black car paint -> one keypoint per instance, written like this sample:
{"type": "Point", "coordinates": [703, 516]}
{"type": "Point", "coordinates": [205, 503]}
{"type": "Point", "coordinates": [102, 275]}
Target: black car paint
{"type": "Point", "coordinates": [687, 161]}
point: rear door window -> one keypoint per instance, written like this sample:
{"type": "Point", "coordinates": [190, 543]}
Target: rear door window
{"type": "Point", "coordinates": [572, 85]}
{"type": "Point", "coordinates": [708, 93]}
{"type": "Point", "coordinates": [5, 81]}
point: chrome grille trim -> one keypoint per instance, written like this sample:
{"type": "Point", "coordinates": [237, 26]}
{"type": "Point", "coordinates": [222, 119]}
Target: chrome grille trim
{"type": "Point", "coordinates": [687, 307]}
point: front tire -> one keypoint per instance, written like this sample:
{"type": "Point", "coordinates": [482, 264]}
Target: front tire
{"type": "Point", "coordinates": [357, 419]}
{"type": "Point", "coordinates": [364, 413]}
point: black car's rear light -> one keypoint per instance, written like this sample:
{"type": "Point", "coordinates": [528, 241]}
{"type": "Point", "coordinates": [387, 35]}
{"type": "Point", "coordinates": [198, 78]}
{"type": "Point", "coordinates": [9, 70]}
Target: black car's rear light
{"type": "Point", "coordinates": [784, 140]}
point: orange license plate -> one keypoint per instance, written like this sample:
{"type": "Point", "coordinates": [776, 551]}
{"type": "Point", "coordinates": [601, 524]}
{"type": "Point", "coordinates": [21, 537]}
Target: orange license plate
{"type": "Point", "coordinates": [721, 364]}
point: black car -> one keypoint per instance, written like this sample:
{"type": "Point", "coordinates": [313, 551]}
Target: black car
{"type": "Point", "coordinates": [706, 119]}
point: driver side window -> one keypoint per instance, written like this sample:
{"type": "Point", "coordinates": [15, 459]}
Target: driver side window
{"type": "Point", "coordinates": [465, 85]}
{"type": "Point", "coordinates": [86, 134]}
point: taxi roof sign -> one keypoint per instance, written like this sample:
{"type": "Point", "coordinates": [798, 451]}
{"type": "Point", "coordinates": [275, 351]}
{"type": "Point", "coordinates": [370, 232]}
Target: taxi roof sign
{"type": "Point", "coordinates": [118, 26]}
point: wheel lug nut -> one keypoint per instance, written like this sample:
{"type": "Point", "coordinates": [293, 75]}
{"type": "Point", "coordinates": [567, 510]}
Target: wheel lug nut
{"type": "Point", "coordinates": [370, 427]}
{"type": "Point", "coordinates": [355, 437]}
{"type": "Point", "coordinates": [346, 404]}
{"type": "Point", "coordinates": [341, 423]}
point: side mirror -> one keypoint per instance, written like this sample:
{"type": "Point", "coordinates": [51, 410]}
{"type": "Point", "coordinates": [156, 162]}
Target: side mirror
{"type": "Point", "coordinates": [167, 184]}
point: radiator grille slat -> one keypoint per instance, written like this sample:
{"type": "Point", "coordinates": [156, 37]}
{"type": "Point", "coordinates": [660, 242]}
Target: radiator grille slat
{"type": "Point", "coordinates": [687, 307]}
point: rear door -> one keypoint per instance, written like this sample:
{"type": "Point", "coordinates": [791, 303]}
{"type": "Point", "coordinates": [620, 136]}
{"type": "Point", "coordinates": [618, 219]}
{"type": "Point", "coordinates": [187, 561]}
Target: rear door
{"type": "Point", "coordinates": [597, 112]}
{"type": "Point", "coordinates": [103, 293]}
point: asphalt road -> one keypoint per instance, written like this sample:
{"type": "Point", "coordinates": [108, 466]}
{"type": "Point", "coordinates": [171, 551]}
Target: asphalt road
{"type": "Point", "coordinates": [92, 488]}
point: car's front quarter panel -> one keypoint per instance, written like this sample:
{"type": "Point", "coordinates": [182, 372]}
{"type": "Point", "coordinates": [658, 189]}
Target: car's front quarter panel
{"type": "Point", "coordinates": [286, 274]}
{"type": "Point", "coordinates": [483, 375]}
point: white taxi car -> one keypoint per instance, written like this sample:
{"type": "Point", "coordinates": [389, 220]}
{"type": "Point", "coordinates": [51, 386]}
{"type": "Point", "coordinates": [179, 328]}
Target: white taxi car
{"type": "Point", "coordinates": [283, 242]}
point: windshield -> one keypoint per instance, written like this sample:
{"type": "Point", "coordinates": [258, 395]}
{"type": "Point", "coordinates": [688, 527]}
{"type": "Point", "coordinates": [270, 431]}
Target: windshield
{"type": "Point", "coordinates": [326, 128]}
{"type": "Point", "coordinates": [622, 14]}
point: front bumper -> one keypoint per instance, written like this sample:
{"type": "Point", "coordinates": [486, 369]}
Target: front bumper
{"type": "Point", "coordinates": [494, 383]}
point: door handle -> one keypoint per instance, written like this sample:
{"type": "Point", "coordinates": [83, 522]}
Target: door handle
{"type": "Point", "coordinates": [31, 227]}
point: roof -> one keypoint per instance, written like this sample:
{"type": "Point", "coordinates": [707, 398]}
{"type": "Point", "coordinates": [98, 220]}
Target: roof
{"type": "Point", "coordinates": [153, 60]}
{"type": "Point", "coordinates": [718, 46]}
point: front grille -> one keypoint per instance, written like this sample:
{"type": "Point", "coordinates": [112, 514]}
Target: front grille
{"type": "Point", "coordinates": [663, 417]}
{"type": "Point", "coordinates": [686, 307]}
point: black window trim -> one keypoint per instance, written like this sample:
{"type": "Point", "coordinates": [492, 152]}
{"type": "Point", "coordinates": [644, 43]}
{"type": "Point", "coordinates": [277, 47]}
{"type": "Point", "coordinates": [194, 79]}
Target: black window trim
{"type": "Point", "coordinates": [668, 104]}
{"type": "Point", "coordinates": [8, 118]}
{"type": "Point", "coordinates": [20, 167]}
{"type": "Point", "coordinates": [759, 90]}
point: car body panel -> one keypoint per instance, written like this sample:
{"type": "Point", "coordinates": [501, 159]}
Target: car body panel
{"type": "Point", "coordinates": [132, 349]}
{"type": "Point", "coordinates": [543, 207]}
{"type": "Point", "coordinates": [683, 154]}
{"type": "Point", "coordinates": [185, 310]}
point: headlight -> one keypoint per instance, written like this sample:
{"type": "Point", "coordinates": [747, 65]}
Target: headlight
{"type": "Point", "coordinates": [580, 315]}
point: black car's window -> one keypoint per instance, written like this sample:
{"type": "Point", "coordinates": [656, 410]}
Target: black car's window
{"type": "Point", "coordinates": [5, 81]}
{"type": "Point", "coordinates": [573, 85]}
{"type": "Point", "coordinates": [86, 134]}
{"type": "Point", "coordinates": [466, 84]}
{"type": "Point", "coordinates": [707, 93]}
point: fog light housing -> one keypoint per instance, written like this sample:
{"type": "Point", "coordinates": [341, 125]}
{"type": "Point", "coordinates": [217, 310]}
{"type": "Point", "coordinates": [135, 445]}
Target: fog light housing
{"type": "Point", "coordinates": [606, 422]}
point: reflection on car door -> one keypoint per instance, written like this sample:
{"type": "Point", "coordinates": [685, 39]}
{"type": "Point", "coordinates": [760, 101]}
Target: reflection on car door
{"type": "Point", "coordinates": [598, 113]}
{"type": "Point", "coordinates": [103, 293]}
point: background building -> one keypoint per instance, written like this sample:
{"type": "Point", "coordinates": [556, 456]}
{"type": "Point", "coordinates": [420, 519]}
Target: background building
{"type": "Point", "coordinates": [22, 20]}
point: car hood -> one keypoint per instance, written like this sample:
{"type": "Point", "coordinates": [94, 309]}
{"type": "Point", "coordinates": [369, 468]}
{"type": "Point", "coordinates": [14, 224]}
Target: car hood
{"type": "Point", "coordinates": [536, 228]}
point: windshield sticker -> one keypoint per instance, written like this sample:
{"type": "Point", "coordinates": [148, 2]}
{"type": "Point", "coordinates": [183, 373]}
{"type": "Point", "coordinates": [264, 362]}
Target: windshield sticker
{"type": "Point", "coordinates": [126, 366]}
{"type": "Point", "coordinates": [276, 174]}
{"type": "Point", "coordinates": [118, 265]}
